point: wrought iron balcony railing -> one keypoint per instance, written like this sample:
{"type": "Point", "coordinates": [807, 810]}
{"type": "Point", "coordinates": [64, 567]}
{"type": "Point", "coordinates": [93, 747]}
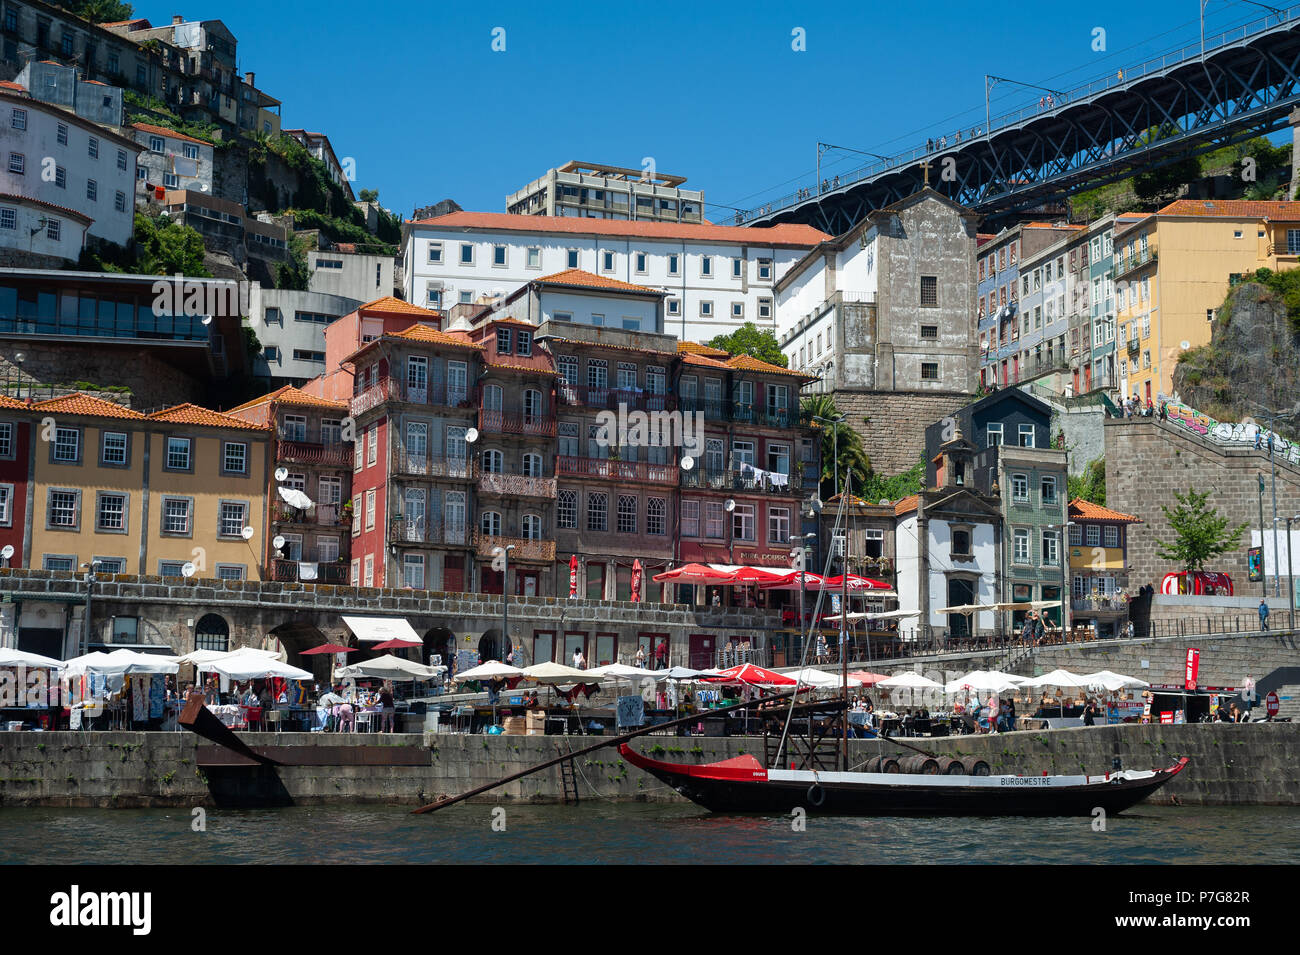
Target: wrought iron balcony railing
{"type": "Point", "coordinates": [516, 422]}
{"type": "Point", "coordinates": [516, 485]}
{"type": "Point", "coordinates": [423, 530]}
{"type": "Point", "coordinates": [537, 551]}
{"type": "Point", "coordinates": [611, 470]}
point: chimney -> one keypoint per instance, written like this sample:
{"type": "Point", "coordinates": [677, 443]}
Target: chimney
{"type": "Point", "coordinates": [249, 77]}
{"type": "Point", "coordinates": [177, 19]}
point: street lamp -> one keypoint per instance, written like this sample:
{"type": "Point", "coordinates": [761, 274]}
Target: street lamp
{"type": "Point", "coordinates": [1273, 417]}
{"type": "Point", "coordinates": [505, 594]}
{"type": "Point", "coordinates": [835, 442]}
{"type": "Point", "coordinates": [803, 582]}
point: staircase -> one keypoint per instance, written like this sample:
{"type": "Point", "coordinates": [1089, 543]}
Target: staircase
{"type": "Point", "coordinates": [1288, 703]}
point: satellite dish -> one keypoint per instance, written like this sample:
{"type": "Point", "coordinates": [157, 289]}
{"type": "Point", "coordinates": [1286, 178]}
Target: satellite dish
{"type": "Point", "coordinates": [688, 462]}
{"type": "Point", "coordinates": [730, 505]}
{"type": "Point", "coordinates": [7, 551]}
{"type": "Point", "coordinates": [281, 473]}
{"type": "Point", "coordinates": [207, 319]}
{"type": "Point", "coordinates": [471, 435]}
{"type": "Point", "coordinates": [277, 542]}
{"type": "Point", "coordinates": [188, 568]}
{"type": "Point", "coordinates": [247, 533]}
{"type": "Point", "coordinates": [1184, 345]}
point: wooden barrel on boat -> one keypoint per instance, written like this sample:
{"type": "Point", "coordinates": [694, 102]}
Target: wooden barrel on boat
{"type": "Point", "coordinates": [951, 766]}
{"type": "Point", "coordinates": [977, 767]}
{"type": "Point", "coordinates": [921, 765]}
{"type": "Point", "coordinates": [881, 764]}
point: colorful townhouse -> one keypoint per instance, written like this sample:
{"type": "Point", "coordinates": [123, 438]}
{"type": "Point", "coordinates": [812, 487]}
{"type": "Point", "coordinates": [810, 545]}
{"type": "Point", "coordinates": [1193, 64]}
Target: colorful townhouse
{"type": "Point", "coordinates": [1099, 585]}
{"type": "Point", "coordinates": [15, 470]}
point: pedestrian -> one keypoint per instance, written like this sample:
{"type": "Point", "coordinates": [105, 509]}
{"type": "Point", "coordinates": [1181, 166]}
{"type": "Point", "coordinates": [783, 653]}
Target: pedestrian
{"type": "Point", "coordinates": [387, 709]}
{"type": "Point", "coordinates": [943, 142]}
{"type": "Point", "coordinates": [579, 661]}
{"type": "Point", "coordinates": [1090, 714]}
{"type": "Point", "coordinates": [1263, 615]}
{"type": "Point", "coordinates": [1268, 444]}
{"type": "Point", "coordinates": [640, 657]}
{"type": "Point", "coordinates": [1164, 411]}
{"type": "Point", "coordinates": [957, 138]}
{"type": "Point", "coordinates": [1259, 439]}
{"type": "Point", "coordinates": [661, 655]}
{"type": "Point", "coordinates": [929, 145]}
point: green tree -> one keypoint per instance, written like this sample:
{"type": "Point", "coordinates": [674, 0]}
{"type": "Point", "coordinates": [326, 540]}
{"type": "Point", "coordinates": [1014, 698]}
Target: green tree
{"type": "Point", "coordinates": [1091, 484]}
{"type": "Point", "coordinates": [165, 247]}
{"type": "Point", "coordinates": [750, 340]}
{"type": "Point", "coordinates": [853, 458]}
{"type": "Point", "coordinates": [368, 195]}
{"type": "Point", "coordinates": [879, 488]}
{"type": "Point", "coordinates": [1201, 533]}
{"type": "Point", "coordinates": [100, 11]}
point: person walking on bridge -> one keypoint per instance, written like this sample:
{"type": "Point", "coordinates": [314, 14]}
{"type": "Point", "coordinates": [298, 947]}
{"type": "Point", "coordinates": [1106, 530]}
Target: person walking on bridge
{"type": "Point", "coordinates": [1263, 615]}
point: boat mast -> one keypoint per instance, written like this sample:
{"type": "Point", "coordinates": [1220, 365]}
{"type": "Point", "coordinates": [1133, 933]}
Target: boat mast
{"type": "Point", "coordinates": [844, 623]}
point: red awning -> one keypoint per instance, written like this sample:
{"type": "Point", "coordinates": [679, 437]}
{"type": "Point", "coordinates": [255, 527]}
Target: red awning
{"type": "Point", "coordinates": [694, 574]}
{"type": "Point", "coordinates": [328, 648]}
{"type": "Point", "coordinates": [729, 574]}
{"type": "Point", "coordinates": [751, 675]}
{"type": "Point", "coordinates": [856, 583]}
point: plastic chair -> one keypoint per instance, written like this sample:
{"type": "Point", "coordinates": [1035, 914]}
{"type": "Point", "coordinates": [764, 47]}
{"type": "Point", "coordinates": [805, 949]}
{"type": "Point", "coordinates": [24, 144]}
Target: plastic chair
{"type": "Point", "coordinates": [271, 718]}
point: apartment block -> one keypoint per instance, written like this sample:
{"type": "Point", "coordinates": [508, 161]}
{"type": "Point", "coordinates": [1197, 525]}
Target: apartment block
{"type": "Point", "coordinates": [598, 191]}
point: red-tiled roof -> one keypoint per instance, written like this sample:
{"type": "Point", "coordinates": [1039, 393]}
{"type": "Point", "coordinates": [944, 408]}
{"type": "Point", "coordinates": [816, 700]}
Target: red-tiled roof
{"type": "Point", "coordinates": [5, 84]}
{"type": "Point", "coordinates": [706, 350]}
{"type": "Point", "coordinates": [84, 404]}
{"type": "Point", "coordinates": [1086, 510]}
{"type": "Point", "coordinates": [164, 131]}
{"type": "Point", "coordinates": [1233, 209]}
{"type": "Point", "coordinates": [750, 363]}
{"type": "Point", "coordinates": [193, 414]}
{"type": "Point", "coordinates": [785, 234]}
{"type": "Point", "coordinates": [580, 279]}
{"type": "Point", "coordinates": [906, 505]}
{"type": "Point", "coordinates": [14, 197]}
{"type": "Point", "coordinates": [512, 367]}
{"type": "Point", "coordinates": [690, 358]}
{"type": "Point", "coordinates": [395, 306]}
{"type": "Point", "coordinates": [431, 336]}
{"type": "Point", "coordinates": [7, 402]}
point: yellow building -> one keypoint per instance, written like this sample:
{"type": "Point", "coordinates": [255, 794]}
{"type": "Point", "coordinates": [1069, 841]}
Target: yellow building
{"type": "Point", "coordinates": [1173, 270]}
{"type": "Point", "coordinates": [1099, 584]}
{"type": "Point", "coordinates": [146, 495]}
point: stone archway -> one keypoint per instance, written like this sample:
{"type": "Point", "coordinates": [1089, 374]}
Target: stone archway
{"type": "Point", "coordinates": [296, 637]}
{"type": "Point", "coordinates": [212, 633]}
{"type": "Point", "coordinates": [489, 646]}
{"type": "Point", "coordinates": [438, 641]}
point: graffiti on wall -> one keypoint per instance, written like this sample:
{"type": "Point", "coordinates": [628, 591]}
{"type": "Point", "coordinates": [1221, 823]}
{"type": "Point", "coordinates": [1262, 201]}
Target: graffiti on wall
{"type": "Point", "coordinates": [1245, 432]}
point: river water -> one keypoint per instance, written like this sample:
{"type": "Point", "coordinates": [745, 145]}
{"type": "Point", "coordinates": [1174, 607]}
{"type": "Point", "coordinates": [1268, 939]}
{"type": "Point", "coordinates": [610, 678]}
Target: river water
{"type": "Point", "coordinates": [596, 832]}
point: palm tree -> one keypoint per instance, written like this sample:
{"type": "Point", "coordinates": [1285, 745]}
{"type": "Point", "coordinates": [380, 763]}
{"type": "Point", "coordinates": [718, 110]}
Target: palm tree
{"type": "Point", "coordinates": [852, 457]}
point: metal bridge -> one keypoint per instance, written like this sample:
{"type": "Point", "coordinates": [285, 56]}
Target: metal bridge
{"type": "Point", "coordinates": [1245, 83]}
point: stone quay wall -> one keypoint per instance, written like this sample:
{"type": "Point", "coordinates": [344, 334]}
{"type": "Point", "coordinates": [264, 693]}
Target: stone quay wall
{"type": "Point", "coordinates": [1231, 764]}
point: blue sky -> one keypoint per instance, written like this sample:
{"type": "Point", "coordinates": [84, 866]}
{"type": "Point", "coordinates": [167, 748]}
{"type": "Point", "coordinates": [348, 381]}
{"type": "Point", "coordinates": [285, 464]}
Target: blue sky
{"type": "Point", "coordinates": [414, 92]}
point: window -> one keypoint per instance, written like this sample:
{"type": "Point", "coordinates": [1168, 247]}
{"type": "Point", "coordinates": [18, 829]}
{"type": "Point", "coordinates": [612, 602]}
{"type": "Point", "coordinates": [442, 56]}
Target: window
{"type": "Point", "coordinates": [17, 163]}
{"type": "Point", "coordinates": [533, 257]}
{"type": "Point", "coordinates": [1051, 549]}
{"type": "Point", "coordinates": [1022, 546]}
{"type": "Point", "coordinates": [156, 144]}
{"type": "Point", "coordinates": [690, 518]}
{"type": "Point", "coordinates": [64, 508]}
{"type": "Point", "coordinates": [368, 579]}
{"type": "Point", "coordinates": [493, 461]}
{"type": "Point", "coordinates": [53, 229]}
{"type": "Point", "coordinates": [929, 291]}
{"type": "Point", "coordinates": [706, 309]}
{"type": "Point", "coordinates": [706, 266]}
{"type": "Point", "coordinates": [234, 457]}
{"type": "Point", "coordinates": [1076, 535]}
{"type": "Point", "coordinates": [929, 371]}
{"type": "Point", "coordinates": [61, 563]}
{"type": "Point", "coordinates": [190, 150]}
{"type": "Point", "coordinates": [498, 256]}
{"type": "Point", "coordinates": [231, 521]}
{"type": "Point", "coordinates": [466, 253]}
{"type": "Point", "coordinates": [627, 510]}
{"type": "Point", "coordinates": [765, 270]}
{"type": "Point", "coordinates": [6, 504]}
{"type": "Point", "coordinates": [641, 263]}
{"type": "Point", "coordinates": [305, 354]}
{"type": "Point", "coordinates": [413, 571]}
{"type": "Point", "coordinates": [742, 522]}
{"type": "Point", "coordinates": [113, 448]}
{"type": "Point", "coordinates": [597, 508]}
{"type": "Point", "coordinates": [19, 119]}
{"type": "Point", "coordinates": [993, 434]}
{"type": "Point", "coordinates": [572, 258]}
{"type": "Point", "coordinates": [566, 508]}
{"type": "Point", "coordinates": [737, 268]}
{"type": "Point", "coordinates": [92, 190]}
{"type": "Point", "coordinates": [1112, 536]}
{"type": "Point", "coordinates": [490, 524]}
{"type": "Point", "coordinates": [176, 516]}
{"type": "Point", "coordinates": [1093, 534]}
{"type": "Point", "coordinates": [930, 332]}
{"type": "Point", "coordinates": [778, 525]}
{"type": "Point", "coordinates": [961, 542]}
{"type": "Point", "coordinates": [524, 343]}
{"type": "Point", "coordinates": [372, 446]}
{"type": "Point", "coordinates": [178, 454]}
{"type": "Point", "coordinates": [1020, 488]}
{"type": "Point", "coordinates": [370, 509]}
{"type": "Point", "coordinates": [67, 445]}
{"type": "Point", "coordinates": [1049, 490]}
{"type": "Point", "coordinates": [119, 201]}
{"type": "Point", "coordinates": [504, 341]}
{"type": "Point", "coordinates": [435, 253]}
{"type": "Point", "coordinates": [6, 440]}
{"type": "Point", "coordinates": [1026, 435]}
{"type": "Point", "coordinates": [713, 519]}
{"type": "Point", "coordinates": [674, 265]}
{"type": "Point", "coordinates": [230, 571]}
{"type": "Point", "coordinates": [562, 316]}
{"type": "Point", "coordinates": [656, 512]}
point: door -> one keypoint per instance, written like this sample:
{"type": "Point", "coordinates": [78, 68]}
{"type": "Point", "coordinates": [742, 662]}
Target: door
{"type": "Point", "coordinates": [417, 379]}
{"type": "Point", "coordinates": [960, 593]}
{"type": "Point", "coordinates": [457, 383]}
{"type": "Point", "coordinates": [417, 447]}
{"type": "Point", "coordinates": [415, 515]}
{"type": "Point", "coordinates": [457, 452]}
{"type": "Point", "coordinates": [701, 651]}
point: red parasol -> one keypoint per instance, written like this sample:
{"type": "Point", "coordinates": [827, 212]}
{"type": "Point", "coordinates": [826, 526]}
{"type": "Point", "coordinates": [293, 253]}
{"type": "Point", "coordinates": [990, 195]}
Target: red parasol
{"type": "Point", "coordinates": [637, 573]}
{"type": "Point", "coordinates": [328, 648]}
{"type": "Point", "coordinates": [752, 675]}
{"type": "Point", "coordinates": [573, 576]}
{"type": "Point", "coordinates": [865, 678]}
{"type": "Point", "coordinates": [791, 581]}
{"type": "Point", "coordinates": [397, 643]}
{"type": "Point", "coordinates": [694, 574]}
{"type": "Point", "coordinates": [855, 583]}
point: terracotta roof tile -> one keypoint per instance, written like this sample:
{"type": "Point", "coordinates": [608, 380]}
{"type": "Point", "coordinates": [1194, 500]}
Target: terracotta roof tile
{"type": "Point", "coordinates": [395, 306]}
{"type": "Point", "coordinates": [15, 197]}
{"type": "Point", "coordinates": [193, 414]}
{"type": "Point", "coordinates": [169, 133]}
{"type": "Point", "coordinates": [582, 279]}
{"type": "Point", "coordinates": [906, 505]}
{"type": "Point", "coordinates": [784, 234]}
{"type": "Point", "coordinates": [750, 363]}
{"type": "Point", "coordinates": [289, 395]}
{"type": "Point", "coordinates": [431, 336]}
{"type": "Point", "coordinates": [5, 84]}
{"type": "Point", "coordinates": [706, 350]}
{"type": "Point", "coordinates": [84, 404]}
{"type": "Point", "coordinates": [1088, 511]}
{"type": "Point", "coordinates": [1233, 209]}
{"type": "Point", "coordinates": [512, 367]}
{"type": "Point", "coordinates": [690, 358]}
{"type": "Point", "coordinates": [7, 402]}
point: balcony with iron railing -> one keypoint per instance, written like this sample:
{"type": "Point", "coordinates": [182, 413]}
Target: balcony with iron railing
{"type": "Point", "coordinates": [1130, 263]}
{"type": "Point", "coordinates": [409, 464]}
{"type": "Point", "coordinates": [605, 398]}
{"type": "Point", "coordinates": [424, 530]}
{"type": "Point", "coordinates": [609, 469]}
{"type": "Point", "coordinates": [516, 485]}
{"type": "Point", "coordinates": [327, 572]}
{"type": "Point", "coordinates": [766, 416]}
{"type": "Point", "coordinates": [512, 421]}
{"type": "Point", "coordinates": [430, 394]}
{"type": "Point", "coordinates": [1099, 604]}
{"type": "Point", "coordinates": [318, 514]}
{"type": "Point", "coordinates": [747, 480]}
{"type": "Point", "coordinates": [531, 551]}
{"type": "Point", "coordinates": [309, 449]}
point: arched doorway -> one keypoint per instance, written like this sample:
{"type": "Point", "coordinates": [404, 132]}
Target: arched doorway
{"type": "Point", "coordinates": [212, 633]}
{"type": "Point", "coordinates": [438, 642]}
{"type": "Point", "coordinates": [297, 637]}
{"type": "Point", "coordinates": [489, 646]}
{"type": "Point", "coordinates": [961, 592]}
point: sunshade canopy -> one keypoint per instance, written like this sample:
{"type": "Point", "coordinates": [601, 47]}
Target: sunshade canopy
{"type": "Point", "coordinates": [255, 666]}
{"type": "Point", "coordinates": [1061, 678]}
{"type": "Point", "coordinates": [909, 680]}
{"type": "Point", "coordinates": [680, 674]}
{"type": "Point", "coordinates": [751, 675]}
{"type": "Point", "coordinates": [1114, 681]}
{"type": "Point", "coordinates": [811, 676]}
{"type": "Point", "coordinates": [557, 673]}
{"type": "Point", "coordinates": [21, 658]}
{"type": "Point", "coordinates": [328, 648]}
{"type": "Point", "coordinates": [379, 629]}
{"type": "Point", "coordinates": [491, 670]}
{"type": "Point", "coordinates": [294, 497]}
{"type": "Point", "coordinates": [866, 678]}
{"type": "Point", "coordinates": [121, 662]}
{"type": "Point", "coordinates": [994, 680]}
{"type": "Point", "coordinates": [389, 667]}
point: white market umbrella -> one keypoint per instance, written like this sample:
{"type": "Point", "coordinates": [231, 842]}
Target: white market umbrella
{"type": "Point", "coordinates": [201, 658]}
{"type": "Point", "coordinates": [993, 680]}
{"type": "Point", "coordinates": [910, 681]}
{"type": "Point", "coordinates": [389, 667]}
{"type": "Point", "coordinates": [810, 676]}
{"type": "Point", "coordinates": [248, 666]}
{"type": "Point", "coordinates": [492, 670]}
{"type": "Point", "coordinates": [295, 498]}
{"type": "Point", "coordinates": [122, 662]}
{"type": "Point", "coordinates": [619, 671]}
{"type": "Point", "coordinates": [21, 658]}
{"type": "Point", "coordinates": [557, 673]}
{"type": "Point", "coordinates": [1114, 681]}
{"type": "Point", "coordinates": [1061, 678]}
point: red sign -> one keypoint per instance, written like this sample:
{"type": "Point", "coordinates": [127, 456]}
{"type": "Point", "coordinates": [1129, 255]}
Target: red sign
{"type": "Point", "coordinates": [1193, 667]}
{"type": "Point", "coordinates": [1271, 703]}
{"type": "Point", "coordinates": [1166, 716]}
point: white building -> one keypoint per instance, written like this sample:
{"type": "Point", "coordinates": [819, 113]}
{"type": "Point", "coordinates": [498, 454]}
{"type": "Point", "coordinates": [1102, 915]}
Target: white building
{"type": "Point", "coordinates": [56, 157]}
{"type": "Point", "coordinates": [716, 278]}
{"type": "Point", "coordinates": [357, 275]}
{"type": "Point", "coordinates": [32, 230]}
{"type": "Point", "coordinates": [171, 160]}
{"type": "Point", "coordinates": [290, 326]}
{"type": "Point", "coordinates": [319, 145]}
{"type": "Point", "coordinates": [580, 298]}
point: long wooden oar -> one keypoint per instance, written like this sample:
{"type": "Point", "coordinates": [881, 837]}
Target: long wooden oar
{"type": "Point", "coordinates": [610, 741]}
